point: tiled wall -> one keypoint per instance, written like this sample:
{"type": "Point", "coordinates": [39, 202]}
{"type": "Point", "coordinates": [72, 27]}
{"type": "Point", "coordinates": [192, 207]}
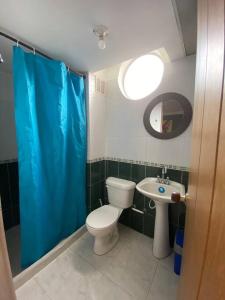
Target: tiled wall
{"type": "Point", "coordinates": [97, 172]}
{"type": "Point", "coordinates": [144, 223]}
{"type": "Point", "coordinates": [9, 191]}
{"type": "Point", "coordinates": [125, 133]}
{"type": "Point", "coordinates": [96, 116]}
{"type": "Point", "coordinates": [95, 184]}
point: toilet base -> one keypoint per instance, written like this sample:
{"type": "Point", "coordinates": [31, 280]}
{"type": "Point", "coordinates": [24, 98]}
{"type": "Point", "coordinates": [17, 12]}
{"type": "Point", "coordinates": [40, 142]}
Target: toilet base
{"type": "Point", "coordinates": [104, 244]}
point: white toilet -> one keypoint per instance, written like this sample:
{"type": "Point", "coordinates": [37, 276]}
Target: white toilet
{"type": "Point", "coordinates": [102, 222]}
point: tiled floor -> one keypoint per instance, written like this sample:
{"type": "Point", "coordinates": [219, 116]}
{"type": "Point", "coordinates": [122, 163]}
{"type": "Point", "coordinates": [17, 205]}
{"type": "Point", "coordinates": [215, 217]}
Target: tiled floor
{"type": "Point", "coordinates": [129, 271]}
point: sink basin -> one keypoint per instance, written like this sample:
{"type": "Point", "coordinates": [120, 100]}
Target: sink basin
{"type": "Point", "coordinates": [159, 191]}
{"type": "Point", "coordinates": [161, 194]}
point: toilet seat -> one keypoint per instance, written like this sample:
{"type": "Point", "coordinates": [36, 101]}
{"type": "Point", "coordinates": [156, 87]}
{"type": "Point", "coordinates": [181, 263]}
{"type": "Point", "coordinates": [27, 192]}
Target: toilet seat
{"type": "Point", "coordinates": [103, 217]}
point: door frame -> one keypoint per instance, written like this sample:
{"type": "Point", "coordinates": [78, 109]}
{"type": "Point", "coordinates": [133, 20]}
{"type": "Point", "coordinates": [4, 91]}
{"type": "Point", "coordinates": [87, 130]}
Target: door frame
{"type": "Point", "coordinates": [205, 137]}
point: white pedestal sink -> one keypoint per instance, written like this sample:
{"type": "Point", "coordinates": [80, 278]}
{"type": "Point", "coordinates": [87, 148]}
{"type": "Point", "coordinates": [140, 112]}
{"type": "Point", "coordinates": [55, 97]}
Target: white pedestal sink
{"type": "Point", "coordinates": [160, 193]}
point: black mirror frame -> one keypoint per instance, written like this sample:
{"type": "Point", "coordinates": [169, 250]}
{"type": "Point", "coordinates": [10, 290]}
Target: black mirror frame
{"type": "Point", "coordinates": [163, 98]}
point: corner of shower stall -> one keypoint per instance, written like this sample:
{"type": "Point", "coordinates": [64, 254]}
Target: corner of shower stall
{"type": "Point", "coordinates": [9, 190]}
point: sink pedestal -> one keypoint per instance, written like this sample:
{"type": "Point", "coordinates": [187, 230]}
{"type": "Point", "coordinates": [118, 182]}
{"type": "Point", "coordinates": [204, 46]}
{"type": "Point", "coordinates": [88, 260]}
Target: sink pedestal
{"type": "Point", "coordinates": [161, 244]}
{"type": "Point", "coordinates": [160, 193]}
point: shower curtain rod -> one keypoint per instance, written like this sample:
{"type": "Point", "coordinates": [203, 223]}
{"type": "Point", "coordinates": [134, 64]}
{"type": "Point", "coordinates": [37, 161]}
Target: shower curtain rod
{"type": "Point", "coordinates": [9, 37]}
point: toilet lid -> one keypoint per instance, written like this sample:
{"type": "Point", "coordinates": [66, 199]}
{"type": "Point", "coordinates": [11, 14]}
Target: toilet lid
{"type": "Point", "coordinates": [103, 216]}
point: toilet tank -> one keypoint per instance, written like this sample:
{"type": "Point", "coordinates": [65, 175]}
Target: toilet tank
{"type": "Point", "coordinates": [120, 192]}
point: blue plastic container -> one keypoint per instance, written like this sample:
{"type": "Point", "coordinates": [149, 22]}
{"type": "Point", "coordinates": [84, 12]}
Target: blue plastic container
{"type": "Point", "coordinates": [178, 248]}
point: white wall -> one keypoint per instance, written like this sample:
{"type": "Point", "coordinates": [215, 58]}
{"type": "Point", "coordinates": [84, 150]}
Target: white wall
{"type": "Point", "coordinates": [126, 137]}
{"type": "Point", "coordinates": [96, 116]}
{"type": "Point", "coordinates": [116, 127]}
{"type": "Point", "coordinates": [8, 145]}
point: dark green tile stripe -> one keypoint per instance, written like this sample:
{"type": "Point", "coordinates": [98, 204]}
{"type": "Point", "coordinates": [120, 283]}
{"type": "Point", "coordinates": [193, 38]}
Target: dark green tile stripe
{"type": "Point", "coordinates": [95, 178]}
{"type": "Point", "coordinates": [9, 192]}
{"type": "Point", "coordinates": [153, 171]}
{"type": "Point", "coordinates": [139, 200]}
{"type": "Point", "coordinates": [125, 170]}
{"type": "Point", "coordinates": [138, 172]}
{"type": "Point", "coordinates": [112, 169]}
{"type": "Point", "coordinates": [149, 225]}
{"type": "Point", "coordinates": [98, 171]}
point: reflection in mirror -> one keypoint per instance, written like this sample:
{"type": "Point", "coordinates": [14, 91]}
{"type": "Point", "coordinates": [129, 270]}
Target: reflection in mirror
{"type": "Point", "coordinates": [166, 116]}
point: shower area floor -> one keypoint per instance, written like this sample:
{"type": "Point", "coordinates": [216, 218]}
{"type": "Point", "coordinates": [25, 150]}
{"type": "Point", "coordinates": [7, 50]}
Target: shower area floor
{"type": "Point", "coordinates": [13, 245]}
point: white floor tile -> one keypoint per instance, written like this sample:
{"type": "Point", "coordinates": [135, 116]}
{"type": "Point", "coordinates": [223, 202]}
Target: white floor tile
{"type": "Point", "coordinates": [71, 277]}
{"type": "Point", "coordinates": [131, 270]}
{"type": "Point", "coordinates": [164, 285]}
{"type": "Point", "coordinates": [128, 272]}
{"type": "Point", "coordinates": [168, 262]}
{"type": "Point", "coordinates": [130, 264]}
{"type": "Point", "coordinates": [31, 291]}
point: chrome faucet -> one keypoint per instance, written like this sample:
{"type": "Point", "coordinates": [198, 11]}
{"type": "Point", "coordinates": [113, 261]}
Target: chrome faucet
{"type": "Point", "coordinates": [163, 179]}
{"type": "Point", "coordinates": [164, 171]}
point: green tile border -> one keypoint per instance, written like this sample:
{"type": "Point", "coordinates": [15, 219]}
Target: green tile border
{"type": "Point", "coordinates": [8, 161]}
{"type": "Point", "coordinates": [89, 161]}
{"type": "Point", "coordinates": [138, 162]}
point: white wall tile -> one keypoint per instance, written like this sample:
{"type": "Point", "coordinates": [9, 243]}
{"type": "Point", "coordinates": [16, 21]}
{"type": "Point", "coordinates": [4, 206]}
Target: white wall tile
{"type": "Point", "coordinates": [164, 286]}
{"type": "Point", "coordinates": [96, 122]}
{"type": "Point", "coordinates": [126, 136]}
{"type": "Point", "coordinates": [31, 290]}
{"type": "Point", "coordinates": [129, 148]}
{"type": "Point", "coordinates": [124, 120]}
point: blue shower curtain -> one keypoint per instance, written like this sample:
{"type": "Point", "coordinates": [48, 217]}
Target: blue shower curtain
{"type": "Point", "coordinates": [51, 136]}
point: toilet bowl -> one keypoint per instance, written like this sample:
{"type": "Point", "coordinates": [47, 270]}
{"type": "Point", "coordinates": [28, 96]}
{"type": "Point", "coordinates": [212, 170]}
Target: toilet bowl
{"type": "Point", "coordinates": [102, 222]}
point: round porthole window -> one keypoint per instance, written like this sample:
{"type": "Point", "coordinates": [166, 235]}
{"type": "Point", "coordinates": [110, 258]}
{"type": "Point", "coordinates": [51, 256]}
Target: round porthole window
{"type": "Point", "coordinates": [140, 77]}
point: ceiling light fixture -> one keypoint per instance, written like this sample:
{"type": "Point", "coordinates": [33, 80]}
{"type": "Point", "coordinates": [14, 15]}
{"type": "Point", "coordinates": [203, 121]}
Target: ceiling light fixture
{"type": "Point", "coordinates": [101, 32]}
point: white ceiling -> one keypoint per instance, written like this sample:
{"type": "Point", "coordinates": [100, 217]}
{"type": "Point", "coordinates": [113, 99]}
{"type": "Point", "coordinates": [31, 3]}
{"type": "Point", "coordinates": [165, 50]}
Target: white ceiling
{"type": "Point", "coordinates": [63, 29]}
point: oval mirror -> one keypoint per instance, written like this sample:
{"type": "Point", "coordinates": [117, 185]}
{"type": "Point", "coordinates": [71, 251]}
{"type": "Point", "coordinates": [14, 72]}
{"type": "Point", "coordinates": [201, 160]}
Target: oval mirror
{"type": "Point", "coordinates": [168, 115]}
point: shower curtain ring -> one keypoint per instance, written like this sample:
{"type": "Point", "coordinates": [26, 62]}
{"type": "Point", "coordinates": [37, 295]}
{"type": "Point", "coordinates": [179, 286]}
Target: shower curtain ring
{"type": "Point", "coordinates": [34, 51]}
{"type": "Point", "coordinates": [17, 43]}
{"type": "Point", "coordinates": [68, 68]}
